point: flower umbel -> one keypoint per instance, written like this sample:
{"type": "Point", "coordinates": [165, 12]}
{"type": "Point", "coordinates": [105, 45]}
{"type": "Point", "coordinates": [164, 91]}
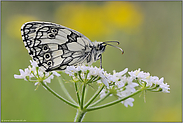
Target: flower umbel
{"type": "Point", "coordinates": [120, 84]}
{"type": "Point", "coordinates": [123, 85]}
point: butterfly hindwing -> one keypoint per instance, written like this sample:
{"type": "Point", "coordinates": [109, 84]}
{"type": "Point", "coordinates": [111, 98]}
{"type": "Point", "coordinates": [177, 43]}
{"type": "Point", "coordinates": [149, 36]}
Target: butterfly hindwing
{"type": "Point", "coordinates": [55, 47]}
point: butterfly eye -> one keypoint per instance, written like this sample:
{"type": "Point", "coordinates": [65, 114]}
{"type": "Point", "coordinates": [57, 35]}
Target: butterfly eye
{"type": "Point", "coordinates": [101, 47]}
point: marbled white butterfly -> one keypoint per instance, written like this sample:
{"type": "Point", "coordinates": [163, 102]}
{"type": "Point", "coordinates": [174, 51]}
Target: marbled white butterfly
{"type": "Point", "coordinates": [55, 47]}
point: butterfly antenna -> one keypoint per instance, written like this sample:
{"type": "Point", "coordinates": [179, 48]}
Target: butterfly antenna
{"type": "Point", "coordinates": [106, 42]}
{"type": "Point", "coordinates": [111, 41]}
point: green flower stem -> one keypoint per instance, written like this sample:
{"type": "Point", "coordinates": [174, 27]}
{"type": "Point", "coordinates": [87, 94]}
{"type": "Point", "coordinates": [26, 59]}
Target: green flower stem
{"type": "Point", "coordinates": [79, 74]}
{"type": "Point", "coordinates": [92, 79]}
{"type": "Point", "coordinates": [82, 97]}
{"type": "Point", "coordinates": [86, 91]}
{"type": "Point", "coordinates": [100, 100]}
{"type": "Point", "coordinates": [154, 90]}
{"type": "Point", "coordinates": [65, 90]}
{"type": "Point", "coordinates": [77, 92]}
{"type": "Point", "coordinates": [114, 102]}
{"type": "Point", "coordinates": [94, 96]}
{"type": "Point", "coordinates": [79, 115]}
{"type": "Point", "coordinates": [58, 96]}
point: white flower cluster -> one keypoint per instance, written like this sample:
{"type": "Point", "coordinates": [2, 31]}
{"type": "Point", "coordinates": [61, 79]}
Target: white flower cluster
{"type": "Point", "coordinates": [92, 72]}
{"type": "Point", "coordinates": [34, 74]}
{"type": "Point", "coordinates": [121, 84]}
{"type": "Point", "coordinates": [151, 81]}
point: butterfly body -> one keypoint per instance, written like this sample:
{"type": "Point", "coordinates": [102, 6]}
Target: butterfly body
{"type": "Point", "coordinates": [54, 47]}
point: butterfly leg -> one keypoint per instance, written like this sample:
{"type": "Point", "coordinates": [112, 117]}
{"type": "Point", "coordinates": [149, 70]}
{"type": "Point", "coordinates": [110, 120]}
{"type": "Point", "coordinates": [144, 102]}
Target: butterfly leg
{"type": "Point", "coordinates": [101, 61]}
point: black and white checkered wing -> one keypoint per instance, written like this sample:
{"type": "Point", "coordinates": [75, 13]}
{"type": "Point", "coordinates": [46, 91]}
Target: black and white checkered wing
{"type": "Point", "coordinates": [55, 47]}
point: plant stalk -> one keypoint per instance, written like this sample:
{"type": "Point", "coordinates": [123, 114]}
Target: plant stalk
{"type": "Point", "coordinates": [114, 102]}
{"type": "Point", "coordinates": [82, 97]}
{"type": "Point", "coordinates": [65, 90]}
{"type": "Point", "coordinates": [94, 96]}
{"type": "Point", "coordinates": [58, 96]}
{"type": "Point", "coordinates": [79, 115]}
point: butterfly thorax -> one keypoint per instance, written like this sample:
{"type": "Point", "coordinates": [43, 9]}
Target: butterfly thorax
{"type": "Point", "coordinates": [98, 49]}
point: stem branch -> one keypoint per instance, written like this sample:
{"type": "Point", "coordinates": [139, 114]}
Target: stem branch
{"type": "Point", "coordinates": [100, 100]}
{"type": "Point", "coordinates": [82, 97]}
{"type": "Point", "coordinates": [94, 96]}
{"type": "Point", "coordinates": [77, 92]}
{"type": "Point", "coordinates": [114, 102]}
{"type": "Point", "coordinates": [65, 90]}
{"type": "Point", "coordinates": [58, 96]}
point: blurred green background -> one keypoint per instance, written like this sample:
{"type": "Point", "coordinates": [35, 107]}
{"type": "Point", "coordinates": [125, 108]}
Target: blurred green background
{"type": "Point", "coordinates": [148, 32]}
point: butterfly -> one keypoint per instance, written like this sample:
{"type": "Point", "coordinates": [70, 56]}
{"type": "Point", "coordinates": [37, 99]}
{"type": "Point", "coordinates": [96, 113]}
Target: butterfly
{"type": "Point", "coordinates": [54, 47]}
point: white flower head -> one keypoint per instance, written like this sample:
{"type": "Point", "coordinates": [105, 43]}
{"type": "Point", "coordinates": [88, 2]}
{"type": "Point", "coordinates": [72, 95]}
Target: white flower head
{"type": "Point", "coordinates": [71, 70]}
{"type": "Point", "coordinates": [121, 84]}
{"type": "Point", "coordinates": [89, 70]}
{"type": "Point", "coordinates": [164, 86]}
{"type": "Point", "coordinates": [24, 74]}
{"type": "Point", "coordinates": [126, 85]}
{"type": "Point", "coordinates": [36, 74]}
{"type": "Point", "coordinates": [134, 74]}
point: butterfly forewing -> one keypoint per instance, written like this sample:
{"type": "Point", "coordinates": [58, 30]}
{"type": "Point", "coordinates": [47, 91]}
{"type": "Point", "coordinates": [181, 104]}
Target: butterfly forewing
{"type": "Point", "coordinates": [55, 47]}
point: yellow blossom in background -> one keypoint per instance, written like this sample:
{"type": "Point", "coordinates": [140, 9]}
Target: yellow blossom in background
{"type": "Point", "coordinates": [94, 20]}
{"type": "Point", "coordinates": [15, 23]}
{"type": "Point", "coordinates": [123, 14]}
{"type": "Point", "coordinates": [81, 17]}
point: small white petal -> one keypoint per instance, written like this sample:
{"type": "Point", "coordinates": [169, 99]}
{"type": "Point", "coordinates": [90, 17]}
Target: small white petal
{"type": "Point", "coordinates": [134, 74]}
{"type": "Point", "coordinates": [120, 84]}
{"type": "Point", "coordinates": [127, 102]}
{"type": "Point", "coordinates": [48, 80]}
{"type": "Point", "coordinates": [124, 71]}
{"type": "Point", "coordinates": [104, 80]}
{"type": "Point", "coordinates": [23, 74]}
{"type": "Point", "coordinates": [55, 73]}
{"type": "Point", "coordinates": [33, 63]}
{"type": "Point", "coordinates": [71, 70]}
{"type": "Point", "coordinates": [18, 76]}
{"type": "Point", "coordinates": [165, 88]}
{"type": "Point", "coordinates": [36, 83]}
